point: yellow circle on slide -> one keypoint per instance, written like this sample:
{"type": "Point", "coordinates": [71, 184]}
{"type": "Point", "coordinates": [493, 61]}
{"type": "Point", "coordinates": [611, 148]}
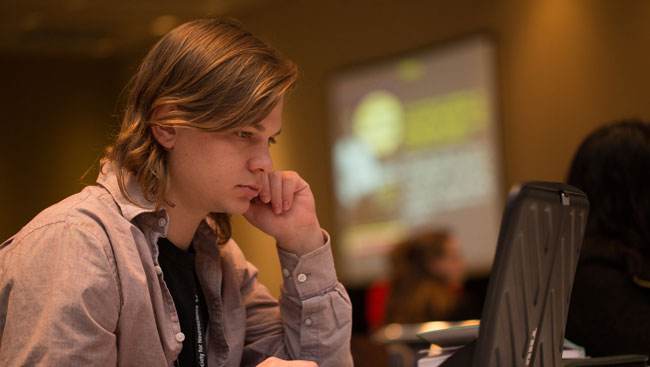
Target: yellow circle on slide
{"type": "Point", "coordinates": [378, 122]}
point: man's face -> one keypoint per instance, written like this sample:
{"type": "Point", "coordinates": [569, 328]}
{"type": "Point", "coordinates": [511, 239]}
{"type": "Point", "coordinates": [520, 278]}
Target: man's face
{"type": "Point", "coordinates": [221, 171]}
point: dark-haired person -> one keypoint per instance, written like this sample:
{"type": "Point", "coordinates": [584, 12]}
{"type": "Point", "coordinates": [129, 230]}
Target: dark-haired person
{"type": "Point", "coordinates": [140, 269]}
{"type": "Point", "coordinates": [426, 280]}
{"type": "Point", "coordinates": [610, 304]}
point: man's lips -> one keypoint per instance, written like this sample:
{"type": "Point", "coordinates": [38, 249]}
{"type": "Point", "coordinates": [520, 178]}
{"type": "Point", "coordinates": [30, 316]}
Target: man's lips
{"type": "Point", "coordinates": [250, 190]}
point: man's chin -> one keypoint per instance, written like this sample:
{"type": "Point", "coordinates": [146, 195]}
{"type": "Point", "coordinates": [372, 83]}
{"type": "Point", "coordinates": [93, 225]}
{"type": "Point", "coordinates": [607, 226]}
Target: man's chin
{"type": "Point", "coordinates": [242, 208]}
{"type": "Point", "coordinates": [237, 209]}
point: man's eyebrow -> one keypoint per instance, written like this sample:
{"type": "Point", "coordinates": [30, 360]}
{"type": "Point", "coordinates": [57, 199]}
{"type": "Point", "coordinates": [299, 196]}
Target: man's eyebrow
{"type": "Point", "coordinates": [261, 128]}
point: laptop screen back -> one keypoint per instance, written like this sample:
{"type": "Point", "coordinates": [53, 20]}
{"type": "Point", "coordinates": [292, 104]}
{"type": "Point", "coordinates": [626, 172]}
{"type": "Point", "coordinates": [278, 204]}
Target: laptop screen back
{"type": "Point", "coordinates": [525, 310]}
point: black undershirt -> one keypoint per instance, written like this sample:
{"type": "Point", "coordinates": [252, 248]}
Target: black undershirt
{"type": "Point", "coordinates": [180, 278]}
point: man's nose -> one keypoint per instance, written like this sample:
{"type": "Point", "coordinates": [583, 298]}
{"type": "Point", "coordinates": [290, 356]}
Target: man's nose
{"type": "Point", "coordinates": [261, 161]}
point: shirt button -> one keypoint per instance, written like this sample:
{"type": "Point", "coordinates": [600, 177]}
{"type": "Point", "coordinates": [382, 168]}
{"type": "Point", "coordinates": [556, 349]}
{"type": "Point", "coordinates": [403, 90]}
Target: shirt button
{"type": "Point", "coordinates": [285, 272]}
{"type": "Point", "coordinates": [308, 322]}
{"type": "Point", "coordinates": [162, 222]}
{"type": "Point", "coordinates": [158, 269]}
{"type": "Point", "coordinates": [180, 337]}
{"type": "Point", "coordinates": [302, 278]}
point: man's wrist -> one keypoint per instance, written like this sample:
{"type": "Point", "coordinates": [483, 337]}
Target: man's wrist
{"type": "Point", "coordinates": [304, 243]}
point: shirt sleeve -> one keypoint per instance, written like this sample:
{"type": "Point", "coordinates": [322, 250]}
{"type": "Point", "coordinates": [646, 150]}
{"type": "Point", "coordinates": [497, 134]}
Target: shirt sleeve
{"type": "Point", "coordinates": [315, 307]}
{"type": "Point", "coordinates": [60, 299]}
{"type": "Point", "coordinates": [315, 314]}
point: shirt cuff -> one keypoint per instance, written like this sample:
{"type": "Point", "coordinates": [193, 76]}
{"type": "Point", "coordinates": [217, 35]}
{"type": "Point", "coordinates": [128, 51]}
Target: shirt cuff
{"type": "Point", "coordinates": [312, 273]}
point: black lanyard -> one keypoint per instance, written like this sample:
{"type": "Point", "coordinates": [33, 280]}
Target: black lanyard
{"type": "Point", "coordinates": [201, 355]}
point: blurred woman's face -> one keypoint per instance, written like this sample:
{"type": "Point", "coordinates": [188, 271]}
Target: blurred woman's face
{"type": "Point", "coordinates": [451, 265]}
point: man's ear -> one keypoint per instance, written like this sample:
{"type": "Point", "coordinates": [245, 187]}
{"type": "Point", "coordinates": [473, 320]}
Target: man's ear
{"type": "Point", "coordinates": [164, 135]}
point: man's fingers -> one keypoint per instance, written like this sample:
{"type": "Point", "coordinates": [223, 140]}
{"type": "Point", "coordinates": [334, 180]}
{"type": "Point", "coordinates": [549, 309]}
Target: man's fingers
{"type": "Point", "coordinates": [277, 362]}
{"type": "Point", "coordinates": [301, 364]}
{"type": "Point", "coordinates": [265, 189]}
{"type": "Point", "coordinates": [279, 188]}
{"type": "Point", "coordinates": [275, 182]}
{"type": "Point", "coordinates": [289, 186]}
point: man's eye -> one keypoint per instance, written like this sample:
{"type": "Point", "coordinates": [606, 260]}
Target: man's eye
{"type": "Point", "coordinates": [272, 141]}
{"type": "Point", "coordinates": [244, 134]}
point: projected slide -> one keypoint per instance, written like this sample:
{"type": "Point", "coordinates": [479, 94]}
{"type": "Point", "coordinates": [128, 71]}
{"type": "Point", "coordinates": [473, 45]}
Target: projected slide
{"type": "Point", "coordinates": [414, 148]}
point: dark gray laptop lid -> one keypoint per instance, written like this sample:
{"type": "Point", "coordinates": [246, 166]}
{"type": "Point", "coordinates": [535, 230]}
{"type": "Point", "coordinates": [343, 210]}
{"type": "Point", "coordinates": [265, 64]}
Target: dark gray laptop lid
{"type": "Point", "coordinates": [526, 305]}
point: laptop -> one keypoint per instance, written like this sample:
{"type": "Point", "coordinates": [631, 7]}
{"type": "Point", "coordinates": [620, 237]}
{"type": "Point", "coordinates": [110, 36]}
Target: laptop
{"type": "Point", "coordinates": [527, 301]}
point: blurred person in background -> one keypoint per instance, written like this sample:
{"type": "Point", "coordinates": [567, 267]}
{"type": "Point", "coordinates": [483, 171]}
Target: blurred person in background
{"type": "Point", "coordinates": [425, 283]}
{"type": "Point", "coordinates": [426, 279]}
{"type": "Point", "coordinates": [610, 304]}
{"type": "Point", "coordinates": [141, 269]}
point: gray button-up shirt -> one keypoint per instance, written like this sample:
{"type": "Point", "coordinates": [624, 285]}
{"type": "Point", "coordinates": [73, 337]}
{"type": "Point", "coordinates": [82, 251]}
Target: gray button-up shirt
{"type": "Point", "coordinates": [80, 285]}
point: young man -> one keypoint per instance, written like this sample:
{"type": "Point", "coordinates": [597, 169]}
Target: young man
{"type": "Point", "coordinates": [140, 270]}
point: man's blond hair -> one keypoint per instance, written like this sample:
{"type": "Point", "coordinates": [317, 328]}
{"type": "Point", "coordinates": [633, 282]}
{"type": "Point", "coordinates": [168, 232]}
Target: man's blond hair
{"type": "Point", "coordinates": [217, 77]}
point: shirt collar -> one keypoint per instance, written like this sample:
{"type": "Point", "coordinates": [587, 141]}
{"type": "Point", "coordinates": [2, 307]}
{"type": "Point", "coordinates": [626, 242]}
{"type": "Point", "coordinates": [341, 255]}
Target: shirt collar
{"type": "Point", "coordinates": [204, 238]}
{"type": "Point", "coordinates": [108, 179]}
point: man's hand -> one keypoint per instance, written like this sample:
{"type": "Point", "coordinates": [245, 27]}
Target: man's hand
{"type": "Point", "coordinates": [285, 209]}
{"type": "Point", "coordinates": [277, 362]}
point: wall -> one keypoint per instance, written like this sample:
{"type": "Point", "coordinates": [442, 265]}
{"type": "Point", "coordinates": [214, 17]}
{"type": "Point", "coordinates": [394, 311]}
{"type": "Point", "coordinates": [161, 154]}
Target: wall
{"type": "Point", "coordinates": [56, 116]}
{"type": "Point", "coordinates": [565, 67]}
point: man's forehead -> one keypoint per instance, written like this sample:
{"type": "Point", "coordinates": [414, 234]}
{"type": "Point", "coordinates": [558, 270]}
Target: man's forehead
{"type": "Point", "coordinates": [259, 127]}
